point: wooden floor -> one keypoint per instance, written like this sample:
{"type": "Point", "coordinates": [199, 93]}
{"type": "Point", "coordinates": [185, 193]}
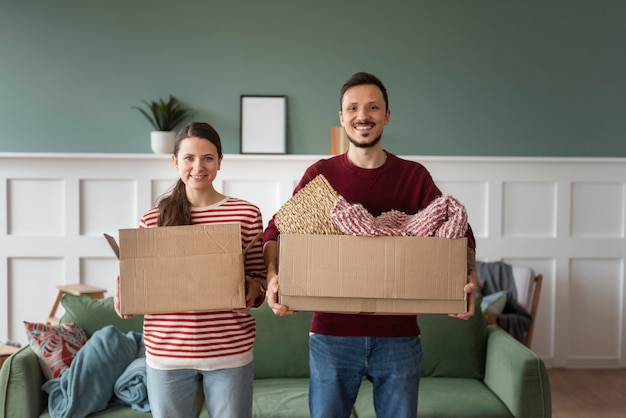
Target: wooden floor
{"type": "Point", "coordinates": [588, 393]}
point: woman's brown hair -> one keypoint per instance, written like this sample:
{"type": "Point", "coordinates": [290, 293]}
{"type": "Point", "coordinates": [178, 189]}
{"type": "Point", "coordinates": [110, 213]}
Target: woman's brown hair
{"type": "Point", "coordinates": [175, 208]}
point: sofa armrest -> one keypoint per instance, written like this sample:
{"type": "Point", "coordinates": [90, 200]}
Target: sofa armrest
{"type": "Point", "coordinates": [20, 386]}
{"type": "Point", "coordinates": [517, 376]}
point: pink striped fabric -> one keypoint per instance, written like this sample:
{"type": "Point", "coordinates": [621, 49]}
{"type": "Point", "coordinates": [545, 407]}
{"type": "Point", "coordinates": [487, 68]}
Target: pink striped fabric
{"type": "Point", "coordinates": [445, 217]}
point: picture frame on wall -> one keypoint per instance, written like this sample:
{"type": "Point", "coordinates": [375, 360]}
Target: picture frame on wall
{"type": "Point", "coordinates": [263, 124]}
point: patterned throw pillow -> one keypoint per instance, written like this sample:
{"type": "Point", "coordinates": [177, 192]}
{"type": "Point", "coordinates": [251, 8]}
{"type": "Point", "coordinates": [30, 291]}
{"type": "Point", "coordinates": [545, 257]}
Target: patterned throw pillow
{"type": "Point", "coordinates": [55, 345]}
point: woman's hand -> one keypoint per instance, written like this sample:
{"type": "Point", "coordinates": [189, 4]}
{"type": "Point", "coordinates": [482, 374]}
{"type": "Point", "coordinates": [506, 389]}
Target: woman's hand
{"type": "Point", "coordinates": [116, 300]}
{"type": "Point", "coordinates": [255, 293]}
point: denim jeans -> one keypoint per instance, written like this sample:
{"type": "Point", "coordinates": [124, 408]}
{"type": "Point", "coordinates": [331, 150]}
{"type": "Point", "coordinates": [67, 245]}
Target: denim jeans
{"type": "Point", "coordinates": [227, 392]}
{"type": "Point", "coordinates": [339, 364]}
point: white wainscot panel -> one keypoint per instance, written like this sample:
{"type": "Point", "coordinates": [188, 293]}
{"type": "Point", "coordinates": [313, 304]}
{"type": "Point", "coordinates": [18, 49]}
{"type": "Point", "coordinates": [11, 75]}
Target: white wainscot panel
{"type": "Point", "coordinates": [540, 212]}
{"type": "Point", "coordinates": [263, 193]}
{"type": "Point", "coordinates": [159, 189]}
{"type": "Point", "coordinates": [36, 207]}
{"type": "Point", "coordinates": [594, 293]}
{"type": "Point", "coordinates": [33, 282]}
{"type": "Point", "coordinates": [474, 196]}
{"type": "Point", "coordinates": [107, 205]}
{"type": "Point", "coordinates": [100, 272]}
{"type": "Point", "coordinates": [598, 209]}
{"type": "Point", "coordinates": [529, 209]}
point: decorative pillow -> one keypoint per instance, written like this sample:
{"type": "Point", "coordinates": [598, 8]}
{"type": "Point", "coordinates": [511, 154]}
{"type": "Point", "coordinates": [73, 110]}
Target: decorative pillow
{"type": "Point", "coordinates": [453, 347]}
{"type": "Point", "coordinates": [94, 314]}
{"type": "Point", "coordinates": [494, 303]}
{"type": "Point", "coordinates": [55, 345]}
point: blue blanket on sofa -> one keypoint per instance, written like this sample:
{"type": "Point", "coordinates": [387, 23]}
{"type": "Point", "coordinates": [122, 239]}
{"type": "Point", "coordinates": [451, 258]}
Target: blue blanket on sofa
{"type": "Point", "coordinates": [130, 387]}
{"type": "Point", "coordinates": [87, 385]}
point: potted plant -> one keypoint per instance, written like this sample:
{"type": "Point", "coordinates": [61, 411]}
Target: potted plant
{"type": "Point", "coordinates": [164, 117]}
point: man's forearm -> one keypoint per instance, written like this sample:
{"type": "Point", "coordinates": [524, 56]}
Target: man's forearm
{"type": "Point", "coordinates": [270, 256]}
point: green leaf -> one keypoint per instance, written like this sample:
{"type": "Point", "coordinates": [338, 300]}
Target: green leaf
{"type": "Point", "coordinates": [164, 116]}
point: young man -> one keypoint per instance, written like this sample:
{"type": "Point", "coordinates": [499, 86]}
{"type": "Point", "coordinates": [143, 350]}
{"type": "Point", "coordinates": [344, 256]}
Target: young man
{"type": "Point", "coordinates": [344, 348]}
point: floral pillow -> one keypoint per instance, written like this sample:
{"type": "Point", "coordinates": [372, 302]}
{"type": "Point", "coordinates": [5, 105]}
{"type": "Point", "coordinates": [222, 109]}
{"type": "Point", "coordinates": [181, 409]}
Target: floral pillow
{"type": "Point", "coordinates": [55, 345]}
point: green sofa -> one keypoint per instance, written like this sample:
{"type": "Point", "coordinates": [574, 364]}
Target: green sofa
{"type": "Point", "coordinates": [469, 369]}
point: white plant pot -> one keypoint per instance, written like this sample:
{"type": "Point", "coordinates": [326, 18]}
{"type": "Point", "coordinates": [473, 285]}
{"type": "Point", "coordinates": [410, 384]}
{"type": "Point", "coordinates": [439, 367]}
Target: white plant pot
{"type": "Point", "coordinates": [162, 142]}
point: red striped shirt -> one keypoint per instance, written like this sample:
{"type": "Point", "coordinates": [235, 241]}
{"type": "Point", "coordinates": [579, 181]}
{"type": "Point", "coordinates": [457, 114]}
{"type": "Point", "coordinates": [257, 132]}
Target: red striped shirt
{"type": "Point", "coordinates": [207, 340]}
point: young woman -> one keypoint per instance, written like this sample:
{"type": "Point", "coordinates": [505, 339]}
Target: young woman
{"type": "Point", "coordinates": [216, 346]}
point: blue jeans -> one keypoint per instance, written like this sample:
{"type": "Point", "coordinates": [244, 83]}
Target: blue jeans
{"type": "Point", "coordinates": [227, 392]}
{"type": "Point", "coordinates": [339, 364]}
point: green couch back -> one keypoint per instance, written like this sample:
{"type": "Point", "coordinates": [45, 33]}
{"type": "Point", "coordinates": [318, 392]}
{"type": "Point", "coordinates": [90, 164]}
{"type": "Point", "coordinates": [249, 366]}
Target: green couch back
{"type": "Point", "coordinates": [281, 348]}
{"type": "Point", "coordinates": [452, 348]}
{"type": "Point", "coordinates": [93, 314]}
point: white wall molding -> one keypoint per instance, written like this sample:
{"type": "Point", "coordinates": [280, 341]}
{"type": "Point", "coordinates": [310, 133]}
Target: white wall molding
{"type": "Point", "coordinates": [564, 217]}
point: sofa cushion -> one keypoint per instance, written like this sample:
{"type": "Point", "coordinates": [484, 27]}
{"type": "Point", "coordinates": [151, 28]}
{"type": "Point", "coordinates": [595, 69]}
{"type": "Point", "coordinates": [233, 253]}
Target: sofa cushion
{"type": "Point", "coordinates": [443, 397]}
{"type": "Point", "coordinates": [55, 345]}
{"type": "Point", "coordinates": [281, 347]}
{"type": "Point", "coordinates": [454, 347]}
{"type": "Point", "coordinates": [281, 398]}
{"type": "Point", "coordinates": [94, 314]}
{"type": "Point", "coordinates": [113, 411]}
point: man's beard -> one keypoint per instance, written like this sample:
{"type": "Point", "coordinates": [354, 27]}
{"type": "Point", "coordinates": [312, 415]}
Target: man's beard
{"type": "Point", "coordinates": [367, 144]}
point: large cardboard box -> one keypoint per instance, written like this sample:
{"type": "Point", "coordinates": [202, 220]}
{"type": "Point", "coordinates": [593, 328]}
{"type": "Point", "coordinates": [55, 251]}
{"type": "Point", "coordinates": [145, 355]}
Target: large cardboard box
{"type": "Point", "coordinates": [381, 275]}
{"type": "Point", "coordinates": [180, 268]}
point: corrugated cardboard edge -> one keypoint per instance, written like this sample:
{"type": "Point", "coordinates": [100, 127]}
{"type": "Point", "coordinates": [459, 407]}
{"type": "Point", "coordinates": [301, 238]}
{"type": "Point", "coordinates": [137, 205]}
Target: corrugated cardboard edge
{"type": "Point", "coordinates": [373, 306]}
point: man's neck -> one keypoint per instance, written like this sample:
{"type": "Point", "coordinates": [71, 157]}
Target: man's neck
{"type": "Point", "coordinates": [367, 157]}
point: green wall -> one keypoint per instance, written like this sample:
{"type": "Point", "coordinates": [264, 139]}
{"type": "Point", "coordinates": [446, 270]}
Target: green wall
{"type": "Point", "coordinates": [482, 77]}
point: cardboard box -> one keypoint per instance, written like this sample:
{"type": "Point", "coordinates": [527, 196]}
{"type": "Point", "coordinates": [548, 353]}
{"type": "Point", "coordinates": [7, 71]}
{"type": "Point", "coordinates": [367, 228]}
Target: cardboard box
{"type": "Point", "coordinates": [384, 275]}
{"type": "Point", "coordinates": [180, 268]}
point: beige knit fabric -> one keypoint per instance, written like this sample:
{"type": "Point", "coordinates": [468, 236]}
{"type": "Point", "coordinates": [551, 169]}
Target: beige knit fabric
{"type": "Point", "coordinates": [308, 211]}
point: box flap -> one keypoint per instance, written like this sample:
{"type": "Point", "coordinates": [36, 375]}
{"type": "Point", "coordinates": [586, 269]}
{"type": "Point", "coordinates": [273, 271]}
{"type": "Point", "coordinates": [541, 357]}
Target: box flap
{"type": "Point", "coordinates": [113, 244]}
{"type": "Point", "coordinates": [178, 241]}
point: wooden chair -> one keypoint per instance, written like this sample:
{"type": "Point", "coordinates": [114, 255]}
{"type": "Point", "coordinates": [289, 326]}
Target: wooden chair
{"type": "Point", "coordinates": [532, 309]}
{"type": "Point", "coordinates": [534, 304]}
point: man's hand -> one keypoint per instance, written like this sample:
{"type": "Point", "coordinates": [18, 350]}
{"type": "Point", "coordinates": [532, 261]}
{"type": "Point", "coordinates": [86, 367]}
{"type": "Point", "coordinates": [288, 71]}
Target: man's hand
{"type": "Point", "coordinates": [470, 287]}
{"type": "Point", "coordinates": [272, 298]}
{"type": "Point", "coordinates": [270, 256]}
{"type": "Point", "coordinates": [470, 290]}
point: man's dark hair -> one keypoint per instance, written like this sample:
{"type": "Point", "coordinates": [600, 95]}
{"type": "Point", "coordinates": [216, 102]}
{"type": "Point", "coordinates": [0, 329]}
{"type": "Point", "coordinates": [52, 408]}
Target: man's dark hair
{"type": "Point", "coordinates": [361, 78]}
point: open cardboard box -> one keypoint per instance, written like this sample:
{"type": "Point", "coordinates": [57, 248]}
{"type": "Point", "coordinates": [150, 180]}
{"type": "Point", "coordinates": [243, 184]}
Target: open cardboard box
{"type": "Point", "coordinates": [378, 275]}
{"type": "Point", "coordinates": [180, 268]}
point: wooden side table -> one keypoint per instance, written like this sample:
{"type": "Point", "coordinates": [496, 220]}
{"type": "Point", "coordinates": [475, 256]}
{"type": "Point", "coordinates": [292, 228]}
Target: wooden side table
{"type": "Point", "coordinates": [72, 289]}
{"type": "Point", "coordinates": [5, 352]}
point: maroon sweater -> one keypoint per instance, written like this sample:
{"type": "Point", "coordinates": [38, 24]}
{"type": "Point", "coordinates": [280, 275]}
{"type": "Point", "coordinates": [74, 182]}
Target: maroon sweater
{"type": "Point", "coordinates": [398, 184]}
